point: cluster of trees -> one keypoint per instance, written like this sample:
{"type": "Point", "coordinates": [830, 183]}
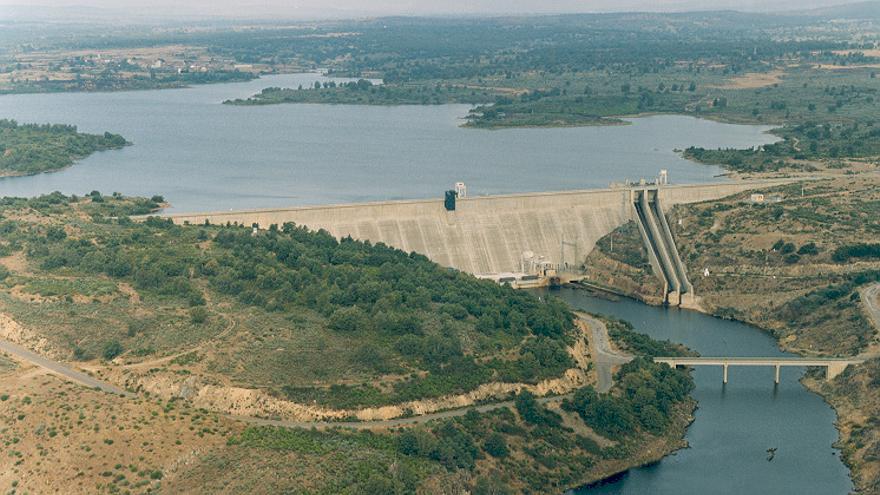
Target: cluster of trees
{"type": "Point", "coordinates": [364, 92]}
{"type": "Point", "coordinates": [791, 254]}
{"type": "Point", "coordinates": [861, 250]}
{"type": "Point", "coordinates": [639, 343]}
{"type": "Point", "coordinates": [558, 107]}
{"type": "Point", "coordinates": [646, 396]}
{"type": "Point", "coordinates": [33, 148]}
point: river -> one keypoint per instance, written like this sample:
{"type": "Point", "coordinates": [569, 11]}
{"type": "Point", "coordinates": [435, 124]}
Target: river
{"type": "Point", "coordinates": [201, 155]}
{"type": "Point", "coordinates": [735, 424]}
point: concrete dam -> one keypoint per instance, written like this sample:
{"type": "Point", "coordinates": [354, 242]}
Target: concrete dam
{"type": "Point", "coordinates": [489, 234]}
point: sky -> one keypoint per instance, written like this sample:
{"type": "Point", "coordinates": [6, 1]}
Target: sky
{"type": "Point", "coordinates": [311, 9]}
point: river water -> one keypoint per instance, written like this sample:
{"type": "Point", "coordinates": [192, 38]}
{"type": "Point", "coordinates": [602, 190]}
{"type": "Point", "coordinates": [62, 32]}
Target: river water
{"type": "Point", "coordinates": [205, 156]}
{"type": "Point", "coordinates": [735, 424]}
{"type": "Point", "coordinates": [201, 155]}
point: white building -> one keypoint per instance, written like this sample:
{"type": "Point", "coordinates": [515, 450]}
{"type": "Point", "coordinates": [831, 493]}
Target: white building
{"type": "Point", "coordinates": [460, 190]}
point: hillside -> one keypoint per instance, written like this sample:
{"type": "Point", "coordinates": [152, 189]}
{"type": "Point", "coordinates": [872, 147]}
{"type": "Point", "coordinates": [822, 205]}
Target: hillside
{"type": "Point", "coordinates": [217, 327]}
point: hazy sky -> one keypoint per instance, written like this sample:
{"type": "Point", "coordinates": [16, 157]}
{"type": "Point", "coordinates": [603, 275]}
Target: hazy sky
{"type": "Point", "coordinates": [350, 8]}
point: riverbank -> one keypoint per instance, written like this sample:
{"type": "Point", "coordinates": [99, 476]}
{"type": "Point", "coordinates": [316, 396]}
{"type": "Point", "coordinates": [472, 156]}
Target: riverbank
{"type": "Point", "coordinates": [787, 283]}
{"type": "Point", "coordinates": [723, 451]}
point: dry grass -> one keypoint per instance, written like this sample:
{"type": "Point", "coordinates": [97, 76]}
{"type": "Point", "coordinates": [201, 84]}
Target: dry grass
{"type": "Point", "coordinates": [62, 437]}
{"type": "Point", "coordinates": [754, 80]}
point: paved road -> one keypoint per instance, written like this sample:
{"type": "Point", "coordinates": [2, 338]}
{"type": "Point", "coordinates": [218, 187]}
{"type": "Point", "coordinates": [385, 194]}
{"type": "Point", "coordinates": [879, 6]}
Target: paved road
{"type": "Point", "coordinates": [390, 423]}
{"type": "Point", "coordinates": [60, 369]}
{"type": "Point", "coordinates": [604, 358]}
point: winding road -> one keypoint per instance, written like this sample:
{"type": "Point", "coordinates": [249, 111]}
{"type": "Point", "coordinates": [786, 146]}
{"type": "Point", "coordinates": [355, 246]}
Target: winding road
{"type": "Point", "coordinates": [57, 368]}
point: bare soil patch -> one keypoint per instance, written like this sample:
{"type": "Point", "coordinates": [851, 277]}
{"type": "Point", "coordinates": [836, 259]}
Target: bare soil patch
{"type": "Point", "coordinates": [753, 80]}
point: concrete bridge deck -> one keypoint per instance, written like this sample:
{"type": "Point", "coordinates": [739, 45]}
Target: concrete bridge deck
{"type": "Point", "coordinates": [485, 234]}
{"type": "Point", "coordinates": [833, 366]}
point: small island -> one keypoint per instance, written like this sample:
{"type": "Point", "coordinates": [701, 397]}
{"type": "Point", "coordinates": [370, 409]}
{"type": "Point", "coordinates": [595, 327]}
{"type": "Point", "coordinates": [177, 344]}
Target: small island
{"type": "Point", "coordinates": [28, 149]}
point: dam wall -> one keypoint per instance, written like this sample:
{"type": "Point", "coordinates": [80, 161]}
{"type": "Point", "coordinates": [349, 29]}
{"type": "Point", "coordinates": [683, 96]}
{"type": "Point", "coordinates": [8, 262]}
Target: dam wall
{"type": "Point", "coordinates": [486, 234]}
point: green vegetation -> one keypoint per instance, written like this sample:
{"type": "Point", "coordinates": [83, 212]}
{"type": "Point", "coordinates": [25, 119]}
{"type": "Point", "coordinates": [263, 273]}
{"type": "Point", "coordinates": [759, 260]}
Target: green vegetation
{"type": "Point", "coordinates": [399, 327]}
{"type": "Point", "coordinates": [364, 92]}
{"type": "Point", "coordinates": [640, 344]}
{"type": "Point", "coordinates": [27, 149]}
{"type": "Point", "coordinates": [843, 254]}
{"type": "Point", "coordinates": [527, 449]}
{"type": "Point", "coordinates": [646, 398]}
{"type": "Point", "coordinates": [439, 331]}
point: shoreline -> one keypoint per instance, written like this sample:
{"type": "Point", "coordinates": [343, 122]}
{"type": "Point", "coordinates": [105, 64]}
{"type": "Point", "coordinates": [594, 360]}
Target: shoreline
{"type": "Point", "coordinates": [806, 382]}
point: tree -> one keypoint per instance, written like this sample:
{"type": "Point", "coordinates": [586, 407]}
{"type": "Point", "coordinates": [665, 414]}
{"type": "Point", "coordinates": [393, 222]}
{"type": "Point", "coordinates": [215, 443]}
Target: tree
{"type": "Point", "coordinates": [496, 445]}
{"type": "Point", "coordinates": [198, 315]}
{"type": "Point", "coordinates": [112, 349]}
{"type": "Point", "coordinates": [349, 319]}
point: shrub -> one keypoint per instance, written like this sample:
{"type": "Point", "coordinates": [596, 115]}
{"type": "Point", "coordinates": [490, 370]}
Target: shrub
{"type": "Point", "coordinates": [111, 350]}
{"type": "Point", "coordinates": [808, 249]}
{"type": "Point", "coordinates": [198, 315]}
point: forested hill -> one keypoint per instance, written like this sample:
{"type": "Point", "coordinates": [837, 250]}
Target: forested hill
{"type": "Point", "coordinates": [27, 149]}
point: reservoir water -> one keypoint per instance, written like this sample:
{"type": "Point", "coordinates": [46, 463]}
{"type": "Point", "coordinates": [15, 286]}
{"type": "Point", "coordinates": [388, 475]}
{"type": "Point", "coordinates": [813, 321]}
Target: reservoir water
{"type": "Point", "coordinates": [201, 155]}
{"type": "Point", "coordinates": [735, 424]}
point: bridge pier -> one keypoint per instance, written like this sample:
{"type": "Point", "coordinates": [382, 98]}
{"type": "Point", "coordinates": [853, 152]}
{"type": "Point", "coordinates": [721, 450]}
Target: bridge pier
{"type": "Point", "coordinates": [778, 367]}
{"type": "Point", "coordinates": [725, 373]}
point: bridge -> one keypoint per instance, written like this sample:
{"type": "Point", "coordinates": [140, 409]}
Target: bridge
{"type": "Point", "coordinates": [833, 366]}
{"type": "Point", "coordinates": [487, 235]}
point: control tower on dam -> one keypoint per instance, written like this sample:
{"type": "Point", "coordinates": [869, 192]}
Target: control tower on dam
{"type": "Point", "coordinates": [487, 234]}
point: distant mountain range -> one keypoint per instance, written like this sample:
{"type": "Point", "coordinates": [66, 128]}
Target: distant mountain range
{"type": "Point", "coordinates": [263, 11]}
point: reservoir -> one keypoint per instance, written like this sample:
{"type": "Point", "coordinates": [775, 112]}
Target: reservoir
{"type": "Point", "coordinates": [201, 155]}
{"type": "Point", "coordinates": [735, 424]}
